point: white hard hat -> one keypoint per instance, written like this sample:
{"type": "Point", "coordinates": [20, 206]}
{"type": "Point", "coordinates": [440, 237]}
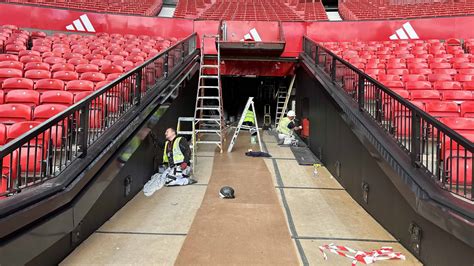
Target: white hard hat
{"type": "Point", "coordinates": [291, 113]}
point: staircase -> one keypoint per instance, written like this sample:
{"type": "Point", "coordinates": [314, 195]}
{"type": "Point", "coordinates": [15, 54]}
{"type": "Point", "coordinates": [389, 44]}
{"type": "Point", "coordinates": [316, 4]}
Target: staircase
{"type": "Point", "coordinates": [209, 112]}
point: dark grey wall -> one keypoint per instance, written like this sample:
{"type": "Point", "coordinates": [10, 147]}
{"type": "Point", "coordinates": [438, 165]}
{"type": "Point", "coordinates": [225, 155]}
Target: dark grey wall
{"type": "Point", "coordinates": [334, 140]}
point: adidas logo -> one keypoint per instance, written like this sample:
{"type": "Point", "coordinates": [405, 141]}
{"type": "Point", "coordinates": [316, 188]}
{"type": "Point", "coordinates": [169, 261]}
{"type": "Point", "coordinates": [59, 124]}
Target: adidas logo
{"type": "Point", "coordinates": [401, 33]}
{"type": "Point", "coordinates": [252, 36]}
{"type": "Point", "coordinates": [79, 24]}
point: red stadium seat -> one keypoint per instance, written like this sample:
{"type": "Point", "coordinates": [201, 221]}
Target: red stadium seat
{"type": "Point", "coordinates": [62, 67]}
{"type": "Point", "coordinates": [93, 76]}
{"type": "Point", "coordinates": [17, 84]}
{"type": "Point", "coordinates": [26, 97]}
{"type": "Point", "coordinates": [11, 65]}
{"type": "Point", "coordinates": [467, 109]}
{"type": "Point", "coordinates": [32, 154]}
{"type": "Point", "coordinates": [386, 77]}
{"type": "Point", "coordinates": [82, 68]}
{"type": "Point", "coordinates": [418, 85]}
{"type": "Point", "coordinates": [36, 66]}
{"type": "Point", "coordinates": [468, 85]}
{"type": "Point", "coordinates": [466, 71]}
{"type": "Point", "coordinates": [463, 125]}
{"type": "Point", "coordinates": [28, 52]}
{"type": "Point", "coordinates": [447, 71]}
{"type": "Point", "coordinates": [100, 62]}
{"type": "Point", "coordinates": [57, 97]}
{"type": "Point", "coordinates": [413, 77]}
{"type": "Point", "coordinates": [393, 84]}
{"type": "Point", "coordinates": [440, 65]}
{"type": "Point", "coordinates": [425, 95]}
{"type": "Point", "coordinates": [458, 96]}
{"type": "Point", "coordinates": [75, 86]}
{"type": "Point", "coordinates": [110, 68]}
{"type": "Point", "coordinates": [443, 109]}
{"type": "Point", "coordinates": [66, 75]}
{"type": "Point", "coordinates": [14, 113]}
{"type": "Point", "coordinates": [8, 57]}
{"type": "Point", "coordinates": [78, 61]}
{"type": "Point", "coordinates": [6, 73]}
{"type": "Point", "coordinates": [439, 77]}
{"type": "Point", "coordinates": [43, 85]}
{"type": "Point", "coordinates": [463, 77]}
{"type": "Point", "coordinates": [46, 111]}
{"type": "Point", "coordinates": [447, 85]}
{"type": "Point", "coordinates": [54, 60]}
{"type": "Point", "coordinates": [397, 71]}
{"type": "Point", "coordinates": [30, 58]}
{"type": "Point", "coordinates": [37, 74]}
{"type": "Point", "coordinates": [422, 71]}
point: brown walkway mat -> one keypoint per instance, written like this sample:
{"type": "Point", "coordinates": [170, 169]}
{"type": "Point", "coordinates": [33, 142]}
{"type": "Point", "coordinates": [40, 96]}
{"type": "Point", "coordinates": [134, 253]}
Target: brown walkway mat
{"type": "Point", "coordinates": [250, 229]}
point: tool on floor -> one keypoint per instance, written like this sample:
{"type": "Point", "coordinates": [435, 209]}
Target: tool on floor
{"type": "Point", "coordinates": [227, 193]}
{"type": "Point", "coordinates": [241, 126]}
{"type": "Point", "coordinates": [384, 253]}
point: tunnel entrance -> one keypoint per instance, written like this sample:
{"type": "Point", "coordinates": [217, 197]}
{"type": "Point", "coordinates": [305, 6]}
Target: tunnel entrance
{"type": "Point", "coordinates": [237, 90]}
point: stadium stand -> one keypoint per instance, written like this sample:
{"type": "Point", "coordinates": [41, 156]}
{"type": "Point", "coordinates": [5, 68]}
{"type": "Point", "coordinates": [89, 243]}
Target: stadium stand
{"type": "Point", "coordinates": [436, 73]}
{"type": "Point", "coordinates": [254, 10]}
{"type": "Point", "coordinates": [41, 75]}
{"type": "Point", "coordinates": [145, 8]}
{"type": "Point", "coordinates": [365, 9]}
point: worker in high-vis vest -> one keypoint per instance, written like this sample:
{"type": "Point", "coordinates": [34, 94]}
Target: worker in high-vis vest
{"type": "Point", "coordinates": [177, 165]}
{"type": "Point", "coordinates": [286, 127]}
{"type": "Point", "coordinates": [176, 156]}
{"type": "Point", "coordinates": [249, 119]}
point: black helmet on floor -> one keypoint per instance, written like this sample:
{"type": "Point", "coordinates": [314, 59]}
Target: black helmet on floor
{"type": "Point", "coordinates": [226, 193]}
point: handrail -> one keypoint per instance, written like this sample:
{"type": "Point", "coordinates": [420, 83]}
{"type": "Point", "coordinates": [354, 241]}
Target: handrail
{"type": "Point", "coordinates": [45, 151]}
{"type": "Point", "coordinates": [444, 153]}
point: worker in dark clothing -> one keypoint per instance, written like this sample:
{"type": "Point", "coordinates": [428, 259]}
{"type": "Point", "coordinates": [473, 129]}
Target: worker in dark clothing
{"type": "Point", "coordinates": [177, 156]}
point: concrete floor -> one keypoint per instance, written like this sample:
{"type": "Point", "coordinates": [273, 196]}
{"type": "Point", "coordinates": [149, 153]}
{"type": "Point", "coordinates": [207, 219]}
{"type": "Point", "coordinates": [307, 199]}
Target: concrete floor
{"type": "Point", "coordinates": [317, 210]}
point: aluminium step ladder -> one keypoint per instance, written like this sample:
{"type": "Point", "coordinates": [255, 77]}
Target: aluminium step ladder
{"type": "Point", "coordinates": [240, 126]}
{"type": "Point", "coordinates": [191, 133]}
{"type": "Point", "coordinates": [283, 97]}
{"type": "Point", "coordinates": [209, 112]}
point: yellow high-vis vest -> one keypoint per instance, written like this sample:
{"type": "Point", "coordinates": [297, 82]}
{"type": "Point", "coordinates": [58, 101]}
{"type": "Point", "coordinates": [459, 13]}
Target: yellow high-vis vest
{"type": "Point", "coordinates": [283, 126]}
{"type": "Point", "coordinates": [178, 156]}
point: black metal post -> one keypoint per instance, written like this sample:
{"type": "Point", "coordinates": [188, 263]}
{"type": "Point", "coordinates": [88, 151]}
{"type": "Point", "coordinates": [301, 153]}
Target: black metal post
{"type": "Point", "coordinates": [83, 131]}
{"type": "Point", "coordinates": [165, 65]}
{"type": "Point", "coordinates": [415, 139]}
{"type": "Point", "coordinates": [361, 92]}
{"type": "Point", "coordinates": [333, 68]}
{"type": "Point", "coordinates": [138, 87]}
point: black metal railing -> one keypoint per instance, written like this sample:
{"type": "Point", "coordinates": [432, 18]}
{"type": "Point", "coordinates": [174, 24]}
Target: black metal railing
{"type": "Point", "coordinates": [443, 153]}
{"type": "Point", "coordinates": [49, 148]}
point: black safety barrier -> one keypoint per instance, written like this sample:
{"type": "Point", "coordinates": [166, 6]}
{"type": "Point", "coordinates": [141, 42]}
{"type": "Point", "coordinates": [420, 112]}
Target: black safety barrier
{"type": "Point", "coordinates": [46, 150]}
{"type": "Point", "coordinates": [434, 147]}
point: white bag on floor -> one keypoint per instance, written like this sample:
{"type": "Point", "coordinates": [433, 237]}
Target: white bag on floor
{"type": "Point", "coordinates": [156, 182]}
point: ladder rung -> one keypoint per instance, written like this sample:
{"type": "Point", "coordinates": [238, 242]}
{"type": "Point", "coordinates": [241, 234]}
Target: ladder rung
{"type": "Point", "coordinates": [209, 77]}
{"type": "Point", "coordinates": [209, 108]}
{"type": "Point", "coordinates": [218, 131]}
{"type": "Point", "coordinates": [209, 66]}
{"type": "Point", "coordinates": [186, 119]}
{"type": "Point", "coordinates": [208, 119]}
{"type": "Point", "coordinates": [209, 87]}
{"type": "Point", "coordinates": [184, 132]}
{"type": "Point", "coordinates": [217, 142]}
{"type": "Point", "coordinates": [209, 97]}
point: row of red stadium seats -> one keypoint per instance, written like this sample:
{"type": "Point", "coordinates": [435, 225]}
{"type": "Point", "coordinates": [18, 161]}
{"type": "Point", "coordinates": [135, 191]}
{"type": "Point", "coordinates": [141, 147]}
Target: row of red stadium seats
{"type": "Point", "coordinates": [146, 7]}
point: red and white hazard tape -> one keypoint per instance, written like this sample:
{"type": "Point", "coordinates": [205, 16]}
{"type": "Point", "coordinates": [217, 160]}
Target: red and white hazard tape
{"type": "Point", "coordinates": [384, 253]}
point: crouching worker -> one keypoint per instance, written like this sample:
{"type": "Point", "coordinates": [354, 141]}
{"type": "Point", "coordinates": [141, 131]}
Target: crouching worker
{"type": "Point", "coordinates": [176, 159]}
{"type": "Point", "coordinates": [176, 156]}
{"type": "Point", "coordinates": [286, 128]}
